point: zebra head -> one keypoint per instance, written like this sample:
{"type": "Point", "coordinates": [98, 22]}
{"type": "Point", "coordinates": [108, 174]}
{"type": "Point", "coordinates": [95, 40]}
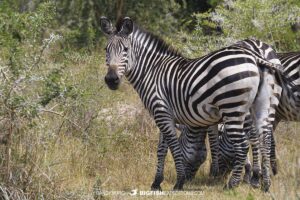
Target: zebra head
{"type": "Point", "coordinates": [117, 49]}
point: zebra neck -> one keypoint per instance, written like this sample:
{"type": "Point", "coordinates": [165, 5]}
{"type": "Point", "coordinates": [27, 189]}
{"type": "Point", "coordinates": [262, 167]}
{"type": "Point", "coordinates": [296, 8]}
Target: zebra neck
{"type": "Point", "coordinates": [150, 55]}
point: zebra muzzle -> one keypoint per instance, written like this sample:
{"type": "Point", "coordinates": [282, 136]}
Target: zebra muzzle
{"type": "Point", "coordinates": [112, 80]}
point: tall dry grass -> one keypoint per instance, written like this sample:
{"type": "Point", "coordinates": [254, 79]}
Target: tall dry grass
{"type": "Point", "coordinates": [104, 141]}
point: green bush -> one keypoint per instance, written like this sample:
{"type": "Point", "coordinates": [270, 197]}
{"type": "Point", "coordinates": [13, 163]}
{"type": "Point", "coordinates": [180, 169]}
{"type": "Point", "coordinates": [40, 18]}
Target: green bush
{"type": "Point", "coordinates": [267, 20]}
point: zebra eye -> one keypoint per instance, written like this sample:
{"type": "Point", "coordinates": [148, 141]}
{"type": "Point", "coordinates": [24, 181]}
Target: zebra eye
{"type": "Point", "coordinates": [126, 49]}
{"type": "Point", "coordinates": [105, 49]}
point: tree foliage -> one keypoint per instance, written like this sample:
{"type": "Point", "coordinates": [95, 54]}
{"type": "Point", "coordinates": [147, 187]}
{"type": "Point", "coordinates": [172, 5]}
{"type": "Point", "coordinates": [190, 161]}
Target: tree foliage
{"type": "Point", "coordinates": [269, 21]}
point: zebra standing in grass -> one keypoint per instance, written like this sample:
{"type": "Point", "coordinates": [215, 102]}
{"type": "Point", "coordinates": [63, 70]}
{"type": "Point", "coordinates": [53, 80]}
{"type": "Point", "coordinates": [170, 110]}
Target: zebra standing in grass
{"type": "Point", "coordinates": [198, 93]}
{"type": "Point", "coordinates": [289, 105]}
{"type": "Point", "coordinates": [226, 149]}
{"type": "Point", "coordinates": [288, 109]}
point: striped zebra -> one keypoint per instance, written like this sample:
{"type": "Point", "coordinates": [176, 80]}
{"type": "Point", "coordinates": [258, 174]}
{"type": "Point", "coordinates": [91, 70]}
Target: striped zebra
{"type": "Point", "coordinates": [268, 53]}
{"type": "Point", "coordinates": [288, 110]}
{"type": "Point", "coordinates": [197, 93]}
{"type": "Point", "coordinates": [289, 105]}
{"type": "Point", "coordinates": [226, 150]}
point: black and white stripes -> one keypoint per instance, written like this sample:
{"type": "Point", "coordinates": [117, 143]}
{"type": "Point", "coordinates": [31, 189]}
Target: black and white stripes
{"type": "Point", "coordinates": [226, 147]}
{"type": "Point", "coordinates": [288, 108]}
{"type": "Point", "coordinates": [197, 93]}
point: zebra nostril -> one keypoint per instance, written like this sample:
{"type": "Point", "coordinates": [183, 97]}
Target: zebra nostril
{"type": "Point", "coordinates": [111, 79]}
{"type": "Point", "coordinates": [117, 81]}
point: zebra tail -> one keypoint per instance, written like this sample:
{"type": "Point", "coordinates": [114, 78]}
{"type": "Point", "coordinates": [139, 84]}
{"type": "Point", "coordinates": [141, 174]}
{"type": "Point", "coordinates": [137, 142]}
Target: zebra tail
{"type": "Point", "coordinates": [282, 78]}
{"type": "Point", "coordinates": [271, 66]}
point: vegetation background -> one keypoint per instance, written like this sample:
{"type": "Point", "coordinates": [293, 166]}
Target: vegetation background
{"type": "Point", "coordinates": [64, 135]}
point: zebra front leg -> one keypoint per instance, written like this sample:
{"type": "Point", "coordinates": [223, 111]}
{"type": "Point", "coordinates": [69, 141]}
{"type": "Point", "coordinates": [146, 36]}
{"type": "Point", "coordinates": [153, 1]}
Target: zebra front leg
{"type": "Point", "coordinates": [213, 136]}
{"type": "Point", "coordinates": [162, 151]}
{"type": "Point", "coordinates": [166, 126]}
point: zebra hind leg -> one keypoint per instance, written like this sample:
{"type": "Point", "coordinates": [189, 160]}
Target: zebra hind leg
{"type": "Point", "coordinates": [273, 159]}
{"type": "Point", "coordinates": [256, 170]}
{"type": "Point", "coordinates": [247, 175]}
{"type": "Point", "coordinates": [273, 155]}
{"type": "Point", "coordinates": [264, 108]}
{"type": "Point", "coordinates": [234, 130]}
{"type": "Point", "coordinates": [253, 136]}
{"type": "Point", "coordinates": [266, 140]}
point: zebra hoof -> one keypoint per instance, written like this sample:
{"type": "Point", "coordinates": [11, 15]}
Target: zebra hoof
{"type": "Point", "coordinates": [231, 184]}
{"type": "Point", "coordinates": [214, 171]}
{"type": "Point", "coordinates": [266, 187]}
{"type": "Point", "coordinates": [274, 167]}
{"type": "Point", "coordinates": [255, 182]}
{"type": "Point", "coordinates": [247, 178]}
{"type": "Point", "coordinates": [189, 178]}
{"type": "Point", "coordinates": [156, 187]}
{"type": "Point", "coordinates": [179, 185]}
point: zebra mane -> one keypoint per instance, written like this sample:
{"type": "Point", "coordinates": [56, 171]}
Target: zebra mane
{"type": "Point", "coordinates": [287, 54]}
{"type": "Point", "coordinates": [161, 45]}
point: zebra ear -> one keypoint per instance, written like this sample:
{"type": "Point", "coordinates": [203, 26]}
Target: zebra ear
{"type": "Point", "coordinates": [106, 26]}
{"type": "Point", "coordinates": [126, 26]}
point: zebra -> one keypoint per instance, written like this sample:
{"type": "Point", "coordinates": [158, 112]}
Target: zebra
{"type": "Point", "coordinates": [197, 93]}
{"type": "Point", "coordinates": [269, 54]}
{"type": "Point", "coordinates": [289, 105]}
{"type": "Point", "coordinates": [288, 109]}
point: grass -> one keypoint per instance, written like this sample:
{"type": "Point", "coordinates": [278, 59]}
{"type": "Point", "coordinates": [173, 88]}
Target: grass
{"type": "Point", "coordinates": [106, 141]}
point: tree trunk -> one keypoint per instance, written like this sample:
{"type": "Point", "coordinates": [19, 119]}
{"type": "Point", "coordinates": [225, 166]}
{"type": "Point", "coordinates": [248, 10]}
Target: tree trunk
{"type": "Point", "coordinates": [120, 5]}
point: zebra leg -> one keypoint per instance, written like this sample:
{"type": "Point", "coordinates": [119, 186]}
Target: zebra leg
{"type": "Point", "coordinates": [162, 151]}
{"type": "Point", "coordinates": [273, 152]}
{"type": "Point", "coordinates": [252, 134]}
{"type": "Point", "coordinates": [234, 131]}
{"type": "Point", "coordinates": [273, 155]}
{"type": "Point", "coordinates": [266, 144]}
{"type": "Point", "coordinates": [166, 126]}
{"type": "Point", "coordinates": [256, 170]}
{"type": "Point", "coordinates": [213, 136]}
{"type": "Point", "coordinates": [226, 154]}
{"type": "Point", "coordinates": [247, 175]}
{"type": "Point", "coordinates": [262, 108]}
